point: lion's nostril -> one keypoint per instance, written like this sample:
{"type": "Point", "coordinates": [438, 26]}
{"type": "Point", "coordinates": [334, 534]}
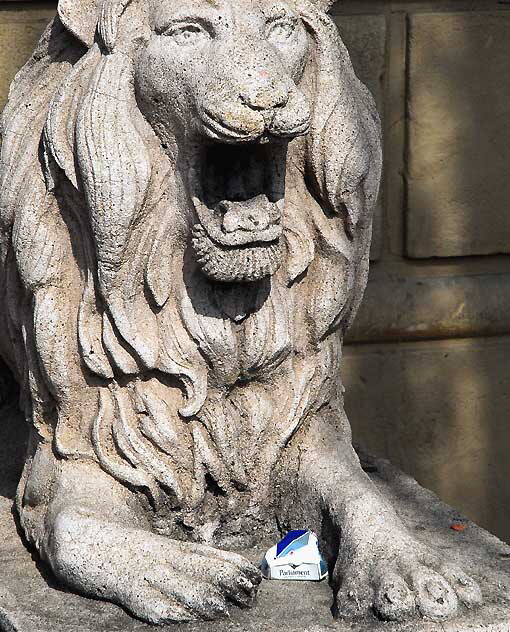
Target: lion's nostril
{"type": "Point", "coordinates": [266, 99]}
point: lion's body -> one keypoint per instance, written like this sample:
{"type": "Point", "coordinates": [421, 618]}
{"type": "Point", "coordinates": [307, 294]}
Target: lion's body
{"type": "Point", "coordinates": [185, 220]}
{"type": "Point", "coordinates": [255, 362]}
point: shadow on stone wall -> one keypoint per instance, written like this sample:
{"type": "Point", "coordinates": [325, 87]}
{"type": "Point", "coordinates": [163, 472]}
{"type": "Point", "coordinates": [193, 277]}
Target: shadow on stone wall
{"type": "Point", "coordinates": [459, 141]}
{"type": "Point", "coordinates": [439, 411]}
{"type": "Point", "coordinates": [458, 394]}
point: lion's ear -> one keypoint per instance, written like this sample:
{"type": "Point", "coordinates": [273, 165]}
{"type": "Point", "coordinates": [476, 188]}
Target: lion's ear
{"type": "Point", "coordinates": [83, 17]}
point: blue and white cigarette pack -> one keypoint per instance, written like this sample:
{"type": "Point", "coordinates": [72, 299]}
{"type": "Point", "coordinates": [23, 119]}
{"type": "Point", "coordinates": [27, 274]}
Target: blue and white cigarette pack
{"type": "Point", "coordinates": [296, 557]}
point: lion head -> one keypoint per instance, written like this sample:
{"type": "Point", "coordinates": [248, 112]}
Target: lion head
{"type": "Point", "coordinates": [225, 83]}
{"type": "Point", "coordinates": [185, 205]}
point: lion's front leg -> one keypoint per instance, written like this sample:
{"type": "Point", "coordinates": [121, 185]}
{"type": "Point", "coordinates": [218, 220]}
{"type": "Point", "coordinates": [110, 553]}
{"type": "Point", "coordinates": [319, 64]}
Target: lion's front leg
{"type": "Point", "coordinates": [95, 546]}
{"type": "Point", "coordinates": [381, 568]}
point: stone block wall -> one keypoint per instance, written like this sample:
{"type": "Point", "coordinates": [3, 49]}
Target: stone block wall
{"type": "Point", "coordinates": [427, 367]}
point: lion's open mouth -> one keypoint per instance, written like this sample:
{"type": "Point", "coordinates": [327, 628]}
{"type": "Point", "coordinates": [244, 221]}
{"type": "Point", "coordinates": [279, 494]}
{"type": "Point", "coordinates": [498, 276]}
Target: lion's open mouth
{"type": "Point", "coordinates": [238, 193]}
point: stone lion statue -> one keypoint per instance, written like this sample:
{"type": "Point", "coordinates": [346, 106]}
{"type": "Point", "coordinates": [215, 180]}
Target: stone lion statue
{"type": "Point", "coordinates": [186, 191]}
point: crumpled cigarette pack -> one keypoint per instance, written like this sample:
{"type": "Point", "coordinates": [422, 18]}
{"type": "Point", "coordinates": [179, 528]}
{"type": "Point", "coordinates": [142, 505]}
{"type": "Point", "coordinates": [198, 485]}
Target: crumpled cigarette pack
{"type": "Point", "coordinates": [296, 557]}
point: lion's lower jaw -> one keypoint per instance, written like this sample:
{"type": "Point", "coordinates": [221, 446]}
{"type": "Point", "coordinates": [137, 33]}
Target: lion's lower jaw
{"type": "Point", "coordinates": [242, 263]}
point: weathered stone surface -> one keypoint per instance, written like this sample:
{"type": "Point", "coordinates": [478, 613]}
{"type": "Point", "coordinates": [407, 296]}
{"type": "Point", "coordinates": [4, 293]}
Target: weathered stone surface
{"type": "Point", "coordinates": [31, 601]}
{"type": "Point", "coordinates": [365, 38]}
{"type": "Point", "coordinates": [439, 410]}
{"type": "Point", "coordinates": [459, 140]}
{"type": "Point", "coordinates": [186, 207]}
{"type": "Point", "coordinates": [396, 307]}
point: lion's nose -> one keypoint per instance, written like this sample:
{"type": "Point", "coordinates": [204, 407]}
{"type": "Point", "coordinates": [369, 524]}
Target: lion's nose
{"type": "Point", "coordinates": [265, 97]}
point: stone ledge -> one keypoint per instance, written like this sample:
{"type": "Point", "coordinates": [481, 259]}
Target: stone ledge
{"type": "Point", "coordinates": [417, 308]}
{"type": "Point", "coordinates": [31, 601]}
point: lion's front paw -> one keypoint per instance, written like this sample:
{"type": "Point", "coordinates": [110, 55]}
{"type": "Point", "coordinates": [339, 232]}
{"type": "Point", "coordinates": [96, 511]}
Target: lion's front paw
{"type": "Point", "coordinates": [403, 581]}
{"type": "Point", "coordinates": [198, 585]}
{"type": "Point", "coordinates": [162, 593]}
{"type": "Point", "coordinates": [156, 579]}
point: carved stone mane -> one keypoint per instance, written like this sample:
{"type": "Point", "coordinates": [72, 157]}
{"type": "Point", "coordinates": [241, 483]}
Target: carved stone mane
{"type": "Point", "coordinates": [186, 192]}
{"type": "Point", "coordinates": [101, 238]}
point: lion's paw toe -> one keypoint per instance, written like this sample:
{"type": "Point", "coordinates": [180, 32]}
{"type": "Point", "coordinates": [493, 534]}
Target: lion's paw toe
{"type": "Point", "coordinates": [393, 599]}
{"type": "Point", "coordinates": [435, 597]}
{"type": "Point", "coordinates": [416, 588]}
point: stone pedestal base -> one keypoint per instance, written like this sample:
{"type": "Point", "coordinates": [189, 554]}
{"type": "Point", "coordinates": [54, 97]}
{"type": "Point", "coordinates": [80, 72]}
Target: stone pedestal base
{"type": "Point", "coordinates": [31, 601]}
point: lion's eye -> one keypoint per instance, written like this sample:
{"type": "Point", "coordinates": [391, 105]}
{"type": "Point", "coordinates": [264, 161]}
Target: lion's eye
{"type": "Point", "coordinates": [281, 30]}
{"type": "Point", "coordinates": [187, 34]}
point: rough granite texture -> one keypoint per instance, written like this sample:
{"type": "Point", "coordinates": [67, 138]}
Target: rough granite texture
{"type": "Point", "coordinates": [186, 203]}
{"type": "Point", "coordinates": [32, 601]}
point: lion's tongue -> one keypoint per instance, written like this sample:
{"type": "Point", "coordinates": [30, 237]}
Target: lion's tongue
{"type": "Point", "coordinates": [252, 215]}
